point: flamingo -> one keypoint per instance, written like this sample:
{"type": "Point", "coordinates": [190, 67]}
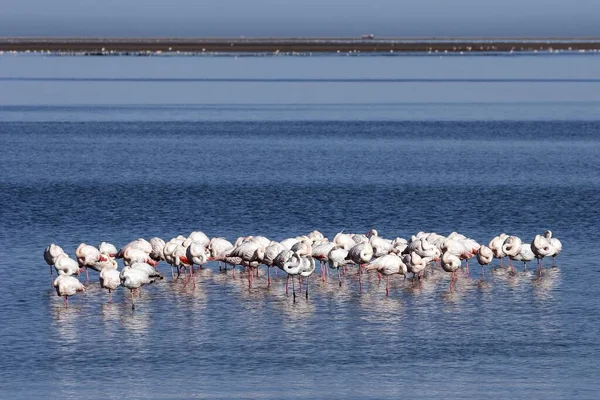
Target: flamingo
{"type": "Point", "coordinates": [289, 242]}
{"type": "Point", "coordinates": [271, 252]}
{"type": "Point", "coordinates": [496, 246]}
{"type": "Point", "coordinates": [423, 248]}
{"type": "Point", "coordinates": [140, 244]}
{"type": "Point", "coordinates": [303, 247]}
{"type": "Point", "coordinates": [380, 245]}
{"type": "Point", "coordinates": [251, 253]}
{"type": "Point", "coordinates": [280, 260]}
{"type": "Point", "coordinates": [133, 279]}
{"type": "Point", "coordinates": [199, 237]}
{"type": "Point", "coordinates": [65, 265]}
{"type": "Point", "coordinates": [555, 243]}
{"type": "Point", "coordinates": [197, 254]}
{"type": "Point", "coordinates": [360, 254]}
{"type": "Point", "coordinates": [344, 240]}
{"type": "Point", "coordinates": [387, 265]}
{"type": "Point", "coordinates": [132, 255]}
{"type": "Point", "coordinates": [51, 253]}
{"type": "Point", "coordinates": [321, 252]}
{"type": "Point", "coordinates": [87, 256]}
{"type": "Point", "coordinates": [525, 254]}
{"type": "Point", "coordinates": [416, 264]}
{"type": "Point", "coordinates": [541, 247]}
{"type": "Point", "coordinates": [307, 268]}
{"type": "Point", "coordinates": [315, 236]}
{"type": "Point", "coordinates": [511, 247]}
{"type": "Point", "coordinates": [107, 248]}
{"type": "Point", "coordinates": [148, 270]}
{"type": "Point", "coordinates": [218, 246]}
{"type": "Point", "coordinates": [450, 263]}
{"type": "Point", "coordinates": [66, 286]}
{"type": "Point", "coordinates": [110, 279]}
{"type": "Point", "coordinates": [158, 246]}
{"type": "Point", "coordinates": [104, 261]}
{"type": "Point", "coordinates": [293, 266]}
{"type": "Point", "coordinates": [484, 257]}
{"type": "Point", "coordinates": [338, 258]}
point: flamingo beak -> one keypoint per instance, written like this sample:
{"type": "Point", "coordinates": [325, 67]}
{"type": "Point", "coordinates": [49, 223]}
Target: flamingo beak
{"type": "Point", "coordinates": [102, 258]}
{"type": "Point", "coordinates": [184, 259]}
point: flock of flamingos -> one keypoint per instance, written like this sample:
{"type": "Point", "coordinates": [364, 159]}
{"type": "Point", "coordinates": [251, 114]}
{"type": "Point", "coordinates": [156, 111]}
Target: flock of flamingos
{"type": "Point", "coordinates": [295, 256]}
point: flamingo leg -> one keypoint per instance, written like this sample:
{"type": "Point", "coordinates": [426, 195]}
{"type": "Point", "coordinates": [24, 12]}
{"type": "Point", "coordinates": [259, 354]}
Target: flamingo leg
{"type": "Point", "coordinates": [482, 272]}
{"type": "Point", "coordinates": [66, 302]}
{"type": "Point", "coordinates": [359, 280]}
{"type": "Point", "coordinates": [387, 286]}
{"type": "Point", "coordinates": [109, 296]}
{"type": "Point", "coordinates": [293, 289]}
{"type": "Point", "coordinates": [172, 273]}
{"type": "Point", "coordinates": [467, 269]}
{"type": "Point", "coordinates": [379, 276]}
{"type": "Point", "coordinates": [268, 276]}
{"type": "Point", "coordinates": [300, 283]}
{"type": "Point", "coordinates": [339, 277]}
{"type": "Point", "coordinates": [51, 277]}
{"type": "Point", "coordinates": [132, 301]}
{"type": "Point", "coordinates": [306, 288]}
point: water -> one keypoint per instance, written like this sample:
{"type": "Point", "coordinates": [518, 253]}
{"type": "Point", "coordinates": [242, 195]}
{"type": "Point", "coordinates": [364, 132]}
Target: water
{"type": "Point", "coordinates": [100, 160]}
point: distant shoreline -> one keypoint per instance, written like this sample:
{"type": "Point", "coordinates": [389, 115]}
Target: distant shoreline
{"type": "Point", "coordinates": [149, 46]}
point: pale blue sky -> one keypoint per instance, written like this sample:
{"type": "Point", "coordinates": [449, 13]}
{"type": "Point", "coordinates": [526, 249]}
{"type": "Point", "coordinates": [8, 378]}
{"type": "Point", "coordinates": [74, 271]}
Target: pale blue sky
{"type": "Point", "coordinates": [235, 18]}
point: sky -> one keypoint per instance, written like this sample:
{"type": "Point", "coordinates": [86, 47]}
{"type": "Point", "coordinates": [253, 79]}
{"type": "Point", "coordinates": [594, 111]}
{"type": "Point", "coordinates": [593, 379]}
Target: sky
{"type": "Point", "coordinates": [300, 18]}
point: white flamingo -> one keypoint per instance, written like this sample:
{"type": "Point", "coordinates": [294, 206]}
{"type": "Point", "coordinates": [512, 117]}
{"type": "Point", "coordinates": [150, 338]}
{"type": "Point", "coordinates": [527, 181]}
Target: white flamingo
{"type": "Point", "coordinates": [541, 247]}
{"type": "Point", "coordinates": [321, 252]}
{"type": "Point", "coordinates": [108, 248]}
{"type": "Point", "coordinates": [387, 265]}
{"type": "Point", "coordinates": [525, 254]}
{"type": "Point", "coordinates": [511, 247]}
{"type": "Point", "coordinates": [218, 247]}
{"type": "Point", "coordinates": [66, 286]}
{"type": "Point", "coordinates": [450, 263]}
{"type": "Point", "coordinates": [496, 246]}
{"type": "Point", "coordinates": [65, 265]}
{"type": "Point", "coordinates": [158, 246]}
{"type": "Point", "coordinates": [485, 256]}
{"type": "Point", "coordinates": [338, 258]}
{"type": "Point", "coordinates": [87, 256]}
{"type": "Point", "coordinates": [271, 252]}
{"type": "Point", "coordinates": [51, 253]}
{"type": "Point", "coordinates": [110, 279]}
{"type": "Point", "coordinates": [307, 268]}
{"type": "Point", "coordinates": [293, 266]}
{"type": "Point", "coordinates": [133, 279]}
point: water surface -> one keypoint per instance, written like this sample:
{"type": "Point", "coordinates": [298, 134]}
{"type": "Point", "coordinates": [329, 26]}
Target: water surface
{"type": "Point", "coordinates": [101, 160]}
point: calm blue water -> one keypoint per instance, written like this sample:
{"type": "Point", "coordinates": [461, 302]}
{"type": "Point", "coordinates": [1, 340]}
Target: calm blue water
{"type": "Point", "coordinates": [90, 159]}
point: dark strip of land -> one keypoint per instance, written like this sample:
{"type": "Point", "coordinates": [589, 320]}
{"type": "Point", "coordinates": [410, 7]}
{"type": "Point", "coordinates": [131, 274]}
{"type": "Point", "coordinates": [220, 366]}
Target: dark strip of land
{"type": "Point", "coordinates": [101, 46]}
